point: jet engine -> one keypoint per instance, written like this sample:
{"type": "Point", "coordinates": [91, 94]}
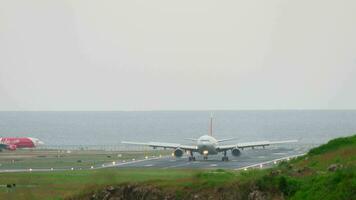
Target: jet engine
{"type": "Point", "coordinates": [11, 147]}
{"type": "Point", "coordinates": [235, 152]}
{"type": "Point", "coordinates": [178, 153]}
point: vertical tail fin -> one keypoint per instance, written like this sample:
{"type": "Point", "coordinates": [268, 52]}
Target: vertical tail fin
{"type": "Point", "coordinates": [211, 125]}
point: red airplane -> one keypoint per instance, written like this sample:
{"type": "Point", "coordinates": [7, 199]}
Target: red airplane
{"type": "Point", "coordinates": [13, 143]}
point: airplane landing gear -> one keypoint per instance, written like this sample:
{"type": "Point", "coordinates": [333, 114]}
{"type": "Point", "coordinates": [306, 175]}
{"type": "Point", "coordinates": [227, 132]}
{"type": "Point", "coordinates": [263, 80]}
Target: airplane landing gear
{"type": "Point", "coordinates": [205, 157]}
{"type": "Point", "coordinates": [191, 157]}
{"type": "Point", "coordinates": [225, 158]}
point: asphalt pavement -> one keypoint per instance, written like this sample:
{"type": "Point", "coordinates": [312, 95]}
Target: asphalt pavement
{"type": "Point", "coordinates": [247, 158]}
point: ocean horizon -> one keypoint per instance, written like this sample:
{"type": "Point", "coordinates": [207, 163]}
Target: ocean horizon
{"type": "Point", "coordinates": [85, 128]}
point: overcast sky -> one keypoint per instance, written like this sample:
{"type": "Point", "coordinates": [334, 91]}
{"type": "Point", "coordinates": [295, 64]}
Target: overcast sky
{"type": "Point", "coordinates": [177, 55]}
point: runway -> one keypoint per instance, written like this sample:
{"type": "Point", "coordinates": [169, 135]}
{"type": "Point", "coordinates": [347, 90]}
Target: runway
{"type": "Point", "coordinates": [247, 158]}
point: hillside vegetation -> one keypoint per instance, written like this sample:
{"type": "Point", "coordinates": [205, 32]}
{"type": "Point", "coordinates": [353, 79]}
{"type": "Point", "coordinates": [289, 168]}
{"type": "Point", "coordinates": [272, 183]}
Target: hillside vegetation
{"type": "Point", "coordinates": [327, 172]}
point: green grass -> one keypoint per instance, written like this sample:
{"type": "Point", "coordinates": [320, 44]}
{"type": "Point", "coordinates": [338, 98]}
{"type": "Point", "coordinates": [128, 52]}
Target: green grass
{"type": "Point", "coordinates": [338, 151]}
{"type": "Point", "coordinates": [57, 185]}
{"type": "Point", "coordinates": [308, 177]}
{"type": "Point", "coordinates": [330, 186]}
{"type": "Point", "coordinates": [333, 145]}
{"type": "Point", "coordinates": [62, 160]}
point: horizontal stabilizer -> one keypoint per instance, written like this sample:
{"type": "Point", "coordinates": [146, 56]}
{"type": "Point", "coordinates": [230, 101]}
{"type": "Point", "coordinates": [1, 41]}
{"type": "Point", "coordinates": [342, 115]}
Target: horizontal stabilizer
{"type": "Point", "coordinates": [228, 139]}
{"type": "Point", "coordinates": [192, 139]}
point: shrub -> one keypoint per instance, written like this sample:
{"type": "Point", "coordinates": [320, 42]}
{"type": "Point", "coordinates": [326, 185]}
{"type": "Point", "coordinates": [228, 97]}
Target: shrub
{"type": "Point", "coordinates": [288, 186]}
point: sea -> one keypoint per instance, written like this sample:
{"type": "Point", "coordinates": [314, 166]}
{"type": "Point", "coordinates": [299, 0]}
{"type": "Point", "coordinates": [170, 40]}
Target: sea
{"type": "Point", "coordinates": [108, 128]}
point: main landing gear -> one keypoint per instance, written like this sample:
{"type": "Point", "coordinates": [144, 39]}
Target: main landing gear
{"type": "Point", "coordinates": [191, 157]}
{"type": "Point", "coordinates": [225, 158]}
{"type": "Point", "coordinates": [205, 157]}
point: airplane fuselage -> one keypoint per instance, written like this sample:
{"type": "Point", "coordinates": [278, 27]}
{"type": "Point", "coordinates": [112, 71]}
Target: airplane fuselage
{"type": "Point", "coordinates": [207, 145]}
{"type": "Point", "coordinates": [13, 143]}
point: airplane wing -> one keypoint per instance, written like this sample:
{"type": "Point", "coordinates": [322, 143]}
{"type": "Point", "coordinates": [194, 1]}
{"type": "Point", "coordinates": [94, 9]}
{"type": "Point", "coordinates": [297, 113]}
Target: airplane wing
{"type": "Point", "coordinates": [253, 144]}
{"type": "Point", "coordinates": [163, 145]}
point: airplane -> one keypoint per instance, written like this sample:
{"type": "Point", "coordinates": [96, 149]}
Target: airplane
{"type": "Point", "coordinates": [13, 143]}
{"type": "Point", "coordinates": [208, 145]}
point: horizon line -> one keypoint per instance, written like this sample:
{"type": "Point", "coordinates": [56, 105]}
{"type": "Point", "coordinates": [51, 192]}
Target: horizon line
{"type": "Point", "coordinates": [185, 110]}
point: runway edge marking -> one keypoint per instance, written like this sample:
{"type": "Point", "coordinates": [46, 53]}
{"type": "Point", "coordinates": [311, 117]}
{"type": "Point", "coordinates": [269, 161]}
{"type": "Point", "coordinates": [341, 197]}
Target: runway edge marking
{"type": "Point", "coordinates": [269, 162]}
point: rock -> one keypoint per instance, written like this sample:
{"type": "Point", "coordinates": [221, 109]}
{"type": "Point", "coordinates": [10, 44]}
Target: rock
{"type": "Point", "coordinates": [110, 188]}
{"type": "Point", "coordinates": [275, 172]}
{"type": "Point", "coordinates": [290, 166]}
{"type": "Point", "coordinates": [257, 195]}
{"type": "Point", "coordinates": [303, 170]}
{"type": "Point", "coordinates": [334, 167]}
{"type": "Point", "coordinates": [107, 196]}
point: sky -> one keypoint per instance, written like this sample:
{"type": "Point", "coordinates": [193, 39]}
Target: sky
{"type": "Point", "coordinates": [177, 55]}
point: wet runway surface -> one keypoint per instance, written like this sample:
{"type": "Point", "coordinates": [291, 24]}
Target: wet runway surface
{"type": "Point", "coordinates": [247, 158]}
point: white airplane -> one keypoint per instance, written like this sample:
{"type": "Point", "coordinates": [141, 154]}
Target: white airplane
{"type": "Point", "coordinates": [208, 145]}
